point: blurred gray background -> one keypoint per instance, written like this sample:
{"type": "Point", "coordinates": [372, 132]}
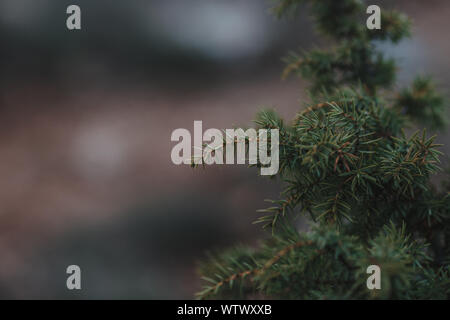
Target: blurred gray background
{"type": "Point", "coordinates": [85, 124]}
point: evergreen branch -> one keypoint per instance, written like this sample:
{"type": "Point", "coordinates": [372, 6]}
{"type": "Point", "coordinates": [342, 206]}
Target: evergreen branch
{"type": "Point", "coordinates": [346, 161]}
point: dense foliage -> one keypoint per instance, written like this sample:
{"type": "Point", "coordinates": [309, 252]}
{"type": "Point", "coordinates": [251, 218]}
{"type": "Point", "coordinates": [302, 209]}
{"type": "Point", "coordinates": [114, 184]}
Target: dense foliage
{"type": "Point", "coordinates": [348, 166]}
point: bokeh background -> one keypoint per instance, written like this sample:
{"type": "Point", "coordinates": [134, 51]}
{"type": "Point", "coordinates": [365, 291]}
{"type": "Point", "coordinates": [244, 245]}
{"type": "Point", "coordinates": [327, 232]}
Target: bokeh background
{"type": "Point", "coordinates": [85, 122]}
